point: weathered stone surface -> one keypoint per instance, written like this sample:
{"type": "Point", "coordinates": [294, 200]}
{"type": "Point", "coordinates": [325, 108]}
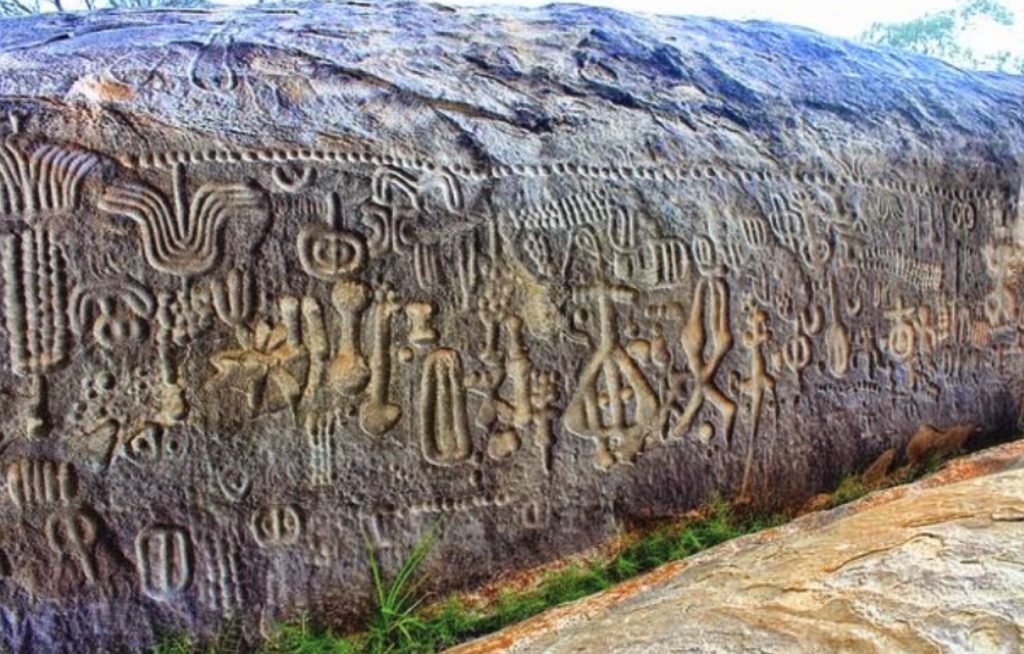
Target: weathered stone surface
{"type": "Point", "coordinates": [276, 278]}
{"type": "Point", "coordinates": [934, 567]}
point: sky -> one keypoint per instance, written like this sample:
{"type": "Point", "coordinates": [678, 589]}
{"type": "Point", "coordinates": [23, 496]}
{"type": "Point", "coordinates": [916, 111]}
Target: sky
{"type": "Point", "coordinates": [847, 19]}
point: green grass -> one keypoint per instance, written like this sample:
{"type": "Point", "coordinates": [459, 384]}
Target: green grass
{"type": "Point", "coordinates": [401, 624]}
{"type": "Point", "coordinates": [851, 487]}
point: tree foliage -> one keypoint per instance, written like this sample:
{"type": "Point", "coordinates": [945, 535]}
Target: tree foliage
{"type": "Point", "coordinates": [31, 7]}
{"type": "Point", "coordinates": [943, 34]}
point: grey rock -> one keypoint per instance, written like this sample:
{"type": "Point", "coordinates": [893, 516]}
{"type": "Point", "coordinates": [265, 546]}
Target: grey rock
{"type": "Point", "coordinates": [281, 279]}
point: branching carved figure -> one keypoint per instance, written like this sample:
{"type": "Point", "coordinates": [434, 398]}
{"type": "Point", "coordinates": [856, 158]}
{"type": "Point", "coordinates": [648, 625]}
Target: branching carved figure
{"type": "Point", "coordinates": [181, 240]}
{"type": "Point", "coordinates": [46, 180]}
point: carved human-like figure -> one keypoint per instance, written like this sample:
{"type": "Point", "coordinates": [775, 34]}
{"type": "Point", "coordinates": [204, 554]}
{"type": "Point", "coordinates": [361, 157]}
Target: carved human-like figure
{"type": "Point", "coordinates": [613, 403]}
{"type": "Point", "coordinates": [713, 293]}
{"type": "Point", "coordinates": [758, 382]}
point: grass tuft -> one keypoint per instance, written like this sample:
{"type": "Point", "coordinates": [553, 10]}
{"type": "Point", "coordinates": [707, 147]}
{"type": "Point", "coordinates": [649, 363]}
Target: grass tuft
{"type": "Point", "coordinates": [851, 487]}
{"type": "Point", "coordinates": [402, 624]}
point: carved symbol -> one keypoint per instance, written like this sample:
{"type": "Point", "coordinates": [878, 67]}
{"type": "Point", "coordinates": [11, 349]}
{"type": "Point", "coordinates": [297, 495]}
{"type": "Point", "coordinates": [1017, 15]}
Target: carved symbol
{"type": "Point", "coordinates": [756, 384]}
{"type": "Point", "coordinates": [35, 482]}
{"type": "Point", "coordinates": [314, 336]}
{"type": "Point", "coordinates": [543, 393]}
{"type": "Point", "coordinates": [426, 266]}
{"type": "Point", "coordinates": [537, 249]}
{"type": "Point", "coordinates": [668, 262]}
{"type": "Point", "coordinates": [263, 366]}
{"type": "Point", "coordinates": [1000, 304]}
{"type": "Point", "coordinates": [796, 354]}
{"type": "Point", "coordinates": [394, 209]}
{"type": "Point", "coordinates": [567, 212]}
{"type": "Point", "coordinates": [114, 328]}
{"type": "Point", "coordinates": [276, 526]}
{"type": "Point", "coordinates": [348, 371]}
{"type": "Point", "coordinates": [705, 255]}
{"type": "Point", "coordinates": [233, 298]}
{"type": "Point", "coordinates": [421, 333]}
{"type": "Point", "coordinates": [797, 351]}
{"type": "Point", "coordinates": [153, 444]}
{"type": "Point", "coordinates": [469, 268]}
{"type": "Point", "coordinates": [293, 180]}
{"type": "Point", "coordinates": [164, 559]}
{"type": "Point", "coordinates": [704, 370]}
{"type": "Point", "coordinates": [962, 215]}
{"type": "Point", "coordinates": [622, 237]}
{"type": "Point", "coordinates": [755, 233]}
{"type": "Point", "coordinates": [46, 181]}
{"type": "Point", "coordinates": [222, 585]}
{"type": "Point", "coordinates": [397, 203]}
{"type": "Point", "coordinates": [519, 370]}
{"type": "Point", "coordinates": [815, 252]}
{"type": "Point", "coordinates": [234, 481]}
{"type": "Point", "coordinates": [376, 414]}
{"type": "Point", "coordinates": [786, 219]}
{"type": "Point", "coordinates": [901, 341]}
{"type": "Point", "coordinates": [211, 68]}
{"type": "Point", "coordinates": [185, 240]}
{"type": "Point", "coordinates": [73, 533]}
{"type": "Point", "coordinates": [320, 431]}
{"type": "Point", "coordinates": [492, 310]}
{"type": "Point", "coordinates": [614, 403]}
{"type": "Point", "coordinates": [326, 250]}
{"type": "Point", "coordinates": [35, 308]}
{"type": "Point", "coordinates": [444, 425]}
{"type": "Point", "coordinates": [837, 337]}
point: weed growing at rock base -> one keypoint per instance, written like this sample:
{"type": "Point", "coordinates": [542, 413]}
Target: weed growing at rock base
{"type": "Point", "coordinates": [401, 624]}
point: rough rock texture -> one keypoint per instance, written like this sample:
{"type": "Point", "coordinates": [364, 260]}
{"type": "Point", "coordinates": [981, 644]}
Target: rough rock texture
{"type": "Point", "coordinates": [276, 279]}
{"type": "Point", "coordinates": [934, 567]}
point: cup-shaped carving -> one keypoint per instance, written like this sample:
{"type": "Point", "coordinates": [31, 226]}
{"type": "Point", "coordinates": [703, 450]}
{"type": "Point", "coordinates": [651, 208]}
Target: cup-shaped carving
{"type": "Point", "coordinates": [444, 424]}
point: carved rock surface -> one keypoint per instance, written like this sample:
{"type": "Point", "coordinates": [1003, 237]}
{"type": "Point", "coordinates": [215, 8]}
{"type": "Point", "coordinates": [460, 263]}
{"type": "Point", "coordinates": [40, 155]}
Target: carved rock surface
{"type": "Point", "coordinates": [277, 279]}
{"type": "Point", "coordinates": [928, 568]}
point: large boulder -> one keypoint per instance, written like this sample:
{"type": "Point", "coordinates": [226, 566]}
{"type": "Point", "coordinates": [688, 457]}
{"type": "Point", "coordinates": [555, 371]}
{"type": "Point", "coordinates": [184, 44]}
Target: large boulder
{"type": "Point", "coordinates": [929, 567]}
{"type": "Point", "coordinates": [282, 281]}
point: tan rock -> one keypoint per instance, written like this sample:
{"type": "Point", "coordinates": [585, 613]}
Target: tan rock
{"type": "Point", "coordinates": [930, 441]}
{"type": "Point", "coordinates": [932, 567]}
{"type": "Point", "coordinates": [878, 470]}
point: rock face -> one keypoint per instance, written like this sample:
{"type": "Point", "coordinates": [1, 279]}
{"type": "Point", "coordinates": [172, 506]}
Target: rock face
{"type": "Point", "coordinates": [276, 281]}
{"type": "Point", "coordinates": [932, 568]}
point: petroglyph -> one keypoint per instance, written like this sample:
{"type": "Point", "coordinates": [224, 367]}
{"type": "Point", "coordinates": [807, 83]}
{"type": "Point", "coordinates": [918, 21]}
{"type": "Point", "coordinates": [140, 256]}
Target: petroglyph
{"type": "Point", "coordinates": [259, 307]}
